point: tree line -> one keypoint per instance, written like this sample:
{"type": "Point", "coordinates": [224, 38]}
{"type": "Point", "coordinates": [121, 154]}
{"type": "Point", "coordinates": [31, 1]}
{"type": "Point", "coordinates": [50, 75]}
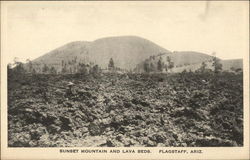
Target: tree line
{"type": "Point", "coordinates": [66, 67]}
{"type": "Point", "coordinates": [160, 66]}
{"type": "Point", "coordinates": [154, 65]}
{"type": "Point", "coordinates": [73, 66]}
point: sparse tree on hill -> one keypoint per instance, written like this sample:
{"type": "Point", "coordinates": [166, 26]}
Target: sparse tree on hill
{"type": "Point", "coordinates": [216, 64]}
{"type": "Point", "coordinates": [203, 67]}
{"type": "Point", "coordinates": [160, 65]}
{"type": "Point", "coordinates": [170, 64]}
{"type": "Point", "coordinates": [152, 67]}
{"type": "Point", "coordinates": [45, 69]}
{"type": "Point", "coordinates": [111, 64]}
{"type": "Point", "coordinates": [64, 69]}
{"type": "Point", "coordinates": [238, 70]}
{"type": "Point", "coordinates": [52, 70]}
{"type": "Point", "coordinates": [95, 69]}
{"type": "Point", "coordinates": [146, 67]}
{"type": "Point", "coordinates": [184, 71]}
{"type": "Point", "coordinates": [30, 65]}
{"type": "Point", "coordinates": [82, 68]}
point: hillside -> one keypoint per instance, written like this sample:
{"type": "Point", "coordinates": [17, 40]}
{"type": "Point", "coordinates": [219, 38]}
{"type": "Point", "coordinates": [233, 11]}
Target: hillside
{"type": "Point", "coordinates": [182, 60]}
{"type": "Point", "coordinates": [127, 51]}
{"type": "Point", "coordinates": [189, 57]}
{"type": "Point", "coordinates": [235, 63]}
{"type": "Point", "coordinates": [190, 61]}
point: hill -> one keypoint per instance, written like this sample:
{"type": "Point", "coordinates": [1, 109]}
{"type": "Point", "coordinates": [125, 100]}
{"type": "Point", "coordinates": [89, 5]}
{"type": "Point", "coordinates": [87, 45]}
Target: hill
{"type": "Point", "coordinates": [182, 60]}
{"type": "Point", "coordinates": [190, 61]}
{"type": "Point", "coordinates": [127, 51]}
{"type": "Point", "coordinates": [232, 63]}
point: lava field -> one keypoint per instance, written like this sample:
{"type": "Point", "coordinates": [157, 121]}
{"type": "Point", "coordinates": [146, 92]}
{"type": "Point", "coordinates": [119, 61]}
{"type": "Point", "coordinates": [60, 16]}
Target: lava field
{"type": "Point", "coordinates": [130, 110]}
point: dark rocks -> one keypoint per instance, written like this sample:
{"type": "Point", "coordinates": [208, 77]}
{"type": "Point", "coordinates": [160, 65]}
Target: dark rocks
{"type": "Point", "coordinates": [214, 142]}
{"type": "Point", "coordinates": [142, 110]}
{"type": "Point", "coordinates": [95, 128]}
{"type": "Point", "coordinates": [53, 129]}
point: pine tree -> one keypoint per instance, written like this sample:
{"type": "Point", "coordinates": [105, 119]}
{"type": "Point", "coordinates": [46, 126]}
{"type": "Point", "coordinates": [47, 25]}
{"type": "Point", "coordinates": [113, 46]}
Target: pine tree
{"type": "Point", "coordinates": [52, 70]}
{"type": "Point", "coordinates": [217, 65]}
{"type": "Point", "coordinates": [95, 69]}
{"type": "Point", "coordinates": [170, 63]}
{"type": "Point", "coordinates": [160, 65]}
{"type": "Point", "coordinates": [203, 67]}
{"type": "Point", "coordinates": [30, 65]}
{"type": "Point", "coordinates": [152, 67]}
{"type": "Point", "coordinates": [111, 64]}
{"type": "Point", "coordinates": [82, 68]}
{"type": "Point", "coordinates": [64, 69]}
{"type": "Point", "coordinates": [45, 69]}
{"type": "Point", "coordinates": [146, 67]}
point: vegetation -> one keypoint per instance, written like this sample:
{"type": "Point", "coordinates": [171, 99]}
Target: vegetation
{"type": "Point", "coordinates": [111, 65]}
{"type": "Point", "coordinates": [170, 64]}
{"type": "Point", "coordinates": [217, 65]}
{"type": "Point", "coordinates": [160, 65]}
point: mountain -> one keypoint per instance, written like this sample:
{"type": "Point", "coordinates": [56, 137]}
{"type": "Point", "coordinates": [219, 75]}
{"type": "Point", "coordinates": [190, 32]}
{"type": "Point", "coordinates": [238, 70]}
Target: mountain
{"type": "Point", "coordinates": [126, 51]}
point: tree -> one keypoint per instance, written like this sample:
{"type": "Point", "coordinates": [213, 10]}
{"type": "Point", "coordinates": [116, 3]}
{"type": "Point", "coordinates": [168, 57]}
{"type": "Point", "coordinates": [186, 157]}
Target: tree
{"type": "Point", "coordinates": [111, 64]}
{"type": "Point", "coordinates": [184, 71]}
{"type": "Point", "coordinates": [152, 67]}
{"type": "Point", "coordinates": [217, 65]}
{"type": "Point", "coordinates": [45, 69]}
{"type": "Point", "coordinates": [95, 69]}
{"type": "Point", "coordinates": [52, 70]}
{"type": "Point", "coordinates": [160, 65]}
{"type": "Point", "coordinates": [82, 68]}
{"type": "Point", "coordinates": [64, 69]}
{"type": "Point", "coordinates": [203, 67]}
{"type": "Point", "coordinates": [232, 69]}
{"type": "Point", "coordinates": [238, 70]}
{"type": "Point", "coordinates": [30, 65]}
{"type": "Point", "coordinates": [146, 67]}
{"type": "Point", "coordinates": [170, 64]}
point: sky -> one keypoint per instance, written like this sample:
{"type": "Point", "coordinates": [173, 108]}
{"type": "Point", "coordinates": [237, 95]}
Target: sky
{"type": "Point", "coordinates": [32, 29]}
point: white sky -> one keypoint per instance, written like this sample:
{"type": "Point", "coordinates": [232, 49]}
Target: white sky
{"type": "Point", "coordinates": [35, 28]}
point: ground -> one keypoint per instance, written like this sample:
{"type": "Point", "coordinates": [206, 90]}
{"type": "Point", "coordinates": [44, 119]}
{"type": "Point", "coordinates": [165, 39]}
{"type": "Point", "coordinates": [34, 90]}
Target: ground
{"type": "Point", "coordinates": [184, 109]}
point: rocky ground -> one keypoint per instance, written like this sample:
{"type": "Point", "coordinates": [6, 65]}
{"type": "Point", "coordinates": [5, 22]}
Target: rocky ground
{"type": "Point", "coordinates": [186, 109]}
